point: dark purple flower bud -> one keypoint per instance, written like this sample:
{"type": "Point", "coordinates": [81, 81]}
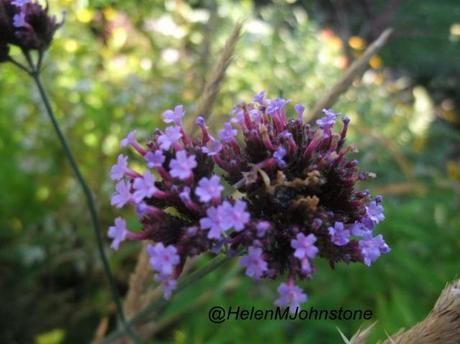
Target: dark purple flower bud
{"type": "Point", "coordinates": [26, 24]}
{"type": "Point", "coordinates": [299, 108]}
{"type": "Point", "coordinates": [262, 228]}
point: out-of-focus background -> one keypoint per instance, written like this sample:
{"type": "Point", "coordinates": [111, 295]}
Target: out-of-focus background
{"type": "Point", "coordinates": [117, 65]}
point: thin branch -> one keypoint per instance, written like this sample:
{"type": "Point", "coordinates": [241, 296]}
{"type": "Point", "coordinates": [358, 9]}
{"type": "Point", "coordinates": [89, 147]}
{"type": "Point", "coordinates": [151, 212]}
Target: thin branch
{"type": "Point", "coordinates": [356, 70]}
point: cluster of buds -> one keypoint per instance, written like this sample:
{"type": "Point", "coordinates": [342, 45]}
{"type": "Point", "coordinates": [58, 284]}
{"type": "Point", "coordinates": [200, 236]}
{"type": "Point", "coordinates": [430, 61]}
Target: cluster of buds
{"type": "Point", "coordinates": [26, 24]}
{"type": "Point", "coordinates": [277, 189]}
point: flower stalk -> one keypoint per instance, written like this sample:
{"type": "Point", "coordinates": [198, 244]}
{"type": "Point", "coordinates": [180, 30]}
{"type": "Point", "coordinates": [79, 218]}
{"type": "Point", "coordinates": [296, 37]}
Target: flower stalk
{"type": "Point", "coordinates": [34, 72]}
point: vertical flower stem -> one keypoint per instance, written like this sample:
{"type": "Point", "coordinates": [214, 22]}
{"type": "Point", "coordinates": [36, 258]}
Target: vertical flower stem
{"type": "Point", "coordinates": [35, 74]}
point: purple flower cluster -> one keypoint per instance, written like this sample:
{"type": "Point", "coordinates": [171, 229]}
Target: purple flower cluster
{"type": "Point", "coordinates": [297, 201]}
{"type": "Point", "coordinates": [26, 24]}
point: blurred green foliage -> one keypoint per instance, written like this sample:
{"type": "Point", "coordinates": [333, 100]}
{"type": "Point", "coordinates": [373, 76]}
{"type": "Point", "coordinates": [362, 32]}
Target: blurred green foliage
{"type": "Point", "coordinates": [116, 66]}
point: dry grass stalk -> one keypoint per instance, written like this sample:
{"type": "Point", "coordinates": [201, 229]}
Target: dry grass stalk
{"type": "Point", "coordinates": [355, 70]}
{"type": "Point", "coordinates": [137, 283]}
{"type": "Point", "coordinates": [400, 188]}
{"type": "Point", "coordinates": [217, 76]}
{"type": "Point", "coordinates": [441, 326]}
{"type": "Point", "coordinates": [360, 337]}
{"type": "Point", "coordinates": [101, 330]}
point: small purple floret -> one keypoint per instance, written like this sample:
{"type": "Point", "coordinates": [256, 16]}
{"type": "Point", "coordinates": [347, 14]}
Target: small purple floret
{"type": "Point", "coordinates": [130, 139]}
{"type": "Point", "coordinates": [163, 259]}
{"type": "Point", "coordinates": [168, 284]}
{"type": "Point", "coordinates": [228, 133]}
{"type": "Point", "coordinates": [328, 121]}
{"type": "Point", "coordinates": [304, 246]}
{"type": "Point", "coordinates": [254, 263]}
{"type": "Point", "coordinates": [144, 187]}
{"type": "Point", "coordinates": [372, 248]}
{"type": "Point", "coordinates": [262, 228]}
{"type": "Point", "coordinates": [170, 137]}
{"type": "Point", "coordinates": [117, 233]}
{"type": "Point", "coordinates": [299, 109]}
{"type": "Point", "coordinates": [359, 229]}
{"type": "Point", "coordinates": [375, 212]}
{"type": "Point", "coordinates": [182, 166]}
{"type": "Point", "coordinates": [170, 116]}
{"type": "Point", "coordinates": [154, 159]}
{"type": "Point", "coordinates": [290, 296]}
{"type": "Point", "coordinates": [19, 20]}
{"type": "Point", "coordinates": [339, 235]}
{"type": "Point", "coordinates": [20, 3]}
{"type": "Point", "coordinates": [122, 194]}
{"type": "Point", "coordinates": [213, 147]}
{"type": "Point", "coordinates": [259, 97]}
{"type": "Point", "coordinates": [215, 222]}
{"type": "Point", "coordinates": [209, 189]}
{"type": "Point", "coordinates": [119, 169]}
{"type": "Point", "coordinates": [275, 105]}
{"type": "Point", "coordinates": [279, 155]}
{"type": "Point", "coordinates": [236, 215]}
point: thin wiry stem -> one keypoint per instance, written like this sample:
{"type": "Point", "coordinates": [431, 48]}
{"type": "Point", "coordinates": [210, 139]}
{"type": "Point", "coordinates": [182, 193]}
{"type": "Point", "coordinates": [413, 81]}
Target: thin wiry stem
{"type": "Point", "coordinates": [34, 72]}
{"type": "Point", "coordinates": [19, 65]}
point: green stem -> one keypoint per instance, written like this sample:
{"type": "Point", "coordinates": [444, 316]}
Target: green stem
{"type": "Point", "coordinates": [181, 284]}
{"type": "Point", "coordinates": [19, 65]}
{"type": "Point", "coordinates": [89, 200]}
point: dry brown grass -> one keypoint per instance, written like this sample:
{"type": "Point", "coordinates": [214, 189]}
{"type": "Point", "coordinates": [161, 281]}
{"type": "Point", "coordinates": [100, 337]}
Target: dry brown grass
{"type": "Point", "coordinates": [354, 71]}
{"type": "Point", "coordinates": [214, 83]}
{"type": "Point", "coordinates": [441, 325]}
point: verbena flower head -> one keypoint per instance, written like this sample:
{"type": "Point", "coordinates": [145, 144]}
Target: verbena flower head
{"type": "Point", "coordinates": [26, 24]}
{"type": "Point", "coordinates": [299, 196]}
